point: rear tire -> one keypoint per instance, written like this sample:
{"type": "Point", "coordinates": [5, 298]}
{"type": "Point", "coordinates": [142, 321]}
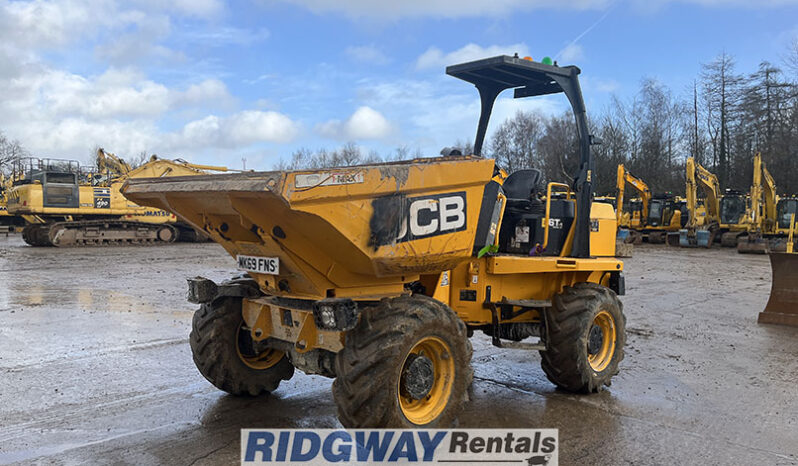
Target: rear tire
{"type": "Point", "coordinates": [584, 338]}
{"type": "Point", "coordinates": [406, 364]}
{"type": "Point", "coordinates": [224, 356]}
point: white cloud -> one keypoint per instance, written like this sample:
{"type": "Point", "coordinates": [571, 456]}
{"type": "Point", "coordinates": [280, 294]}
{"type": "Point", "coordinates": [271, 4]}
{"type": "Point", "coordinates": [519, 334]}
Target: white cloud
{"type": "Point", "coordinates": [436, 58]}
{"type": "Point", "coordinates": [117, 93]}
{"type": "Point", "coordinates": [56, 113]}
{"type": "Point", "coordinates": [257, 126]}
{"type": "Point", "coordinates": [367, 54]}
{"type": "Point", "coordinates": [141, 44]}
{"type": "Point", "coordinates": [571, 53]}
{"type": "Point", "coordinates": [41, 23]}
{"type": "Point", "coordinates": [237, 130]}
{"type": "Point", "coordinates": [205, 92]}
{"type": "Point", "coordinates": [365, 123]}
{"type": "Point", "coordinates": [436, 115]}
{"type": "Point", "coordinates": [439, 8]}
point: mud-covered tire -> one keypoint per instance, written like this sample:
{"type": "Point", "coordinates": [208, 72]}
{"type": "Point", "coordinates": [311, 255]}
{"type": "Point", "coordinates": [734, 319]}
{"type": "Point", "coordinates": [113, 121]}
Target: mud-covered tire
{"type": "Point", "coordinates": [214, 346]}
{"type": "Point", "coordinates": [566, 360]}
{"type": "Point", "coordinates": [369, 368]}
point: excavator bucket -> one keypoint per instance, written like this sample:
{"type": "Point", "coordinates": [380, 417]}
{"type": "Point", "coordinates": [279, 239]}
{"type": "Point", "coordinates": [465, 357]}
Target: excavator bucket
{"type": "Point", "coordinates": [753, 246]}
{"type": "Point", "coordinates": [782, 307]}
{"type": "Point", "coordinates": [697, 238]}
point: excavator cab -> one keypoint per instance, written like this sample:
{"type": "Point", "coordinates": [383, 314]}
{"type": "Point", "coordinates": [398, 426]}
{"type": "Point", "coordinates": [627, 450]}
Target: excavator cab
{"type": "Point", "coordinates": [59, 180]}
{"type": "Point", "coordinates": [787, 207]}
{"type": "Point", "coordinates": [662, 210]}
{"type": "Point", "coordinates": [732, 207]}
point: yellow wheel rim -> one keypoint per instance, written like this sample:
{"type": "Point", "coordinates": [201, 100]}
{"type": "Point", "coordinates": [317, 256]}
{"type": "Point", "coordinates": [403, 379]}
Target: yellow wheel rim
{"type": "Point", "coordinates": [260, 361]}
{"type": "Point", "coordinates": [427, 408]}
{"type": "Point", "coordinates": [604, 328]}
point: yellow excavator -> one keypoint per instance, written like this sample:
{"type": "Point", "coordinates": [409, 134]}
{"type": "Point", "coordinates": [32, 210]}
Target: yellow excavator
{"type": "Point", "coordinates": [735, 217]}
{"type": "Point", "coordinates": [377, 275]}
{"type": "Point", "coordinates": [657, 215]}
{"type": "Point", "coordinates": [633, 219]}
{"type": "Point", "coordinates": [702, 225]}
{"type": "Point", "coordinates": [761, 220]}
{"type": "Point", "coordinates": [82, 207]}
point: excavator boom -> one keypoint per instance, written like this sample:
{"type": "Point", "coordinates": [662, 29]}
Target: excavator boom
{"type": "Point", "coordinates": [639, 185]}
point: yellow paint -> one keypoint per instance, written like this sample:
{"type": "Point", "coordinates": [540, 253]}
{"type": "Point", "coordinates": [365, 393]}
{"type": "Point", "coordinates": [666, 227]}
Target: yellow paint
{"type": "Point", "coordinates": [602, 358]}
{"type": "Point", "coordinates": [427, 409]}
{"type": "Point", "coordinates": [602, 238]}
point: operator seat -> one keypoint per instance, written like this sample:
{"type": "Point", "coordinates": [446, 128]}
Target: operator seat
{"type": "Point", "coordinates": [521, 189]}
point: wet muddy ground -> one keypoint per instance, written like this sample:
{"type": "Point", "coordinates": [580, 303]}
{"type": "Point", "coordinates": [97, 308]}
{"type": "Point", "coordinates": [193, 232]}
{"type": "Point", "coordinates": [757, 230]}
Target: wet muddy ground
{"type": "Point", "coordinates": [95, 367]}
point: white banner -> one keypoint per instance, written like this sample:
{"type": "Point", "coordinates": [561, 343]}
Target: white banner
{"type": "Point", "coordinates": [391, 446]}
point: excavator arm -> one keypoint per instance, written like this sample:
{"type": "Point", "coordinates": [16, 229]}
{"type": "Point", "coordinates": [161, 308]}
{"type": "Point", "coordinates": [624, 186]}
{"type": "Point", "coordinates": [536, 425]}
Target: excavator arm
{"type": "Point", "coordinates": [158, 167]}
{"type": "Point", "coordinates": [771, 200]}
{"type": "Point", "coordinates": [698, 233]}
{"type": "Point", "coordinates": [710, 186]}
{"type": "Point", "coordinates": [108, 162]}
{"type": "Point", "coordinates": [639, 185]}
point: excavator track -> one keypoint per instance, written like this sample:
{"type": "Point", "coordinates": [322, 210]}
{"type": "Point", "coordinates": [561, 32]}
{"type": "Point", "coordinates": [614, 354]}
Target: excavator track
{"type": "Point", "coordinates": [98, 233]}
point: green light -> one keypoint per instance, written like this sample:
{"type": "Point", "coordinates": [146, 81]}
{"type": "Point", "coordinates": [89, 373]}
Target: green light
{"type": "Point", "coordinates": [546, 61]}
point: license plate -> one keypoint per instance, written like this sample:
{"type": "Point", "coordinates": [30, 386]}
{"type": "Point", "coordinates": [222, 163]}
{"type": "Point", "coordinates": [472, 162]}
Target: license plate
{"type": "Point", "coordinates": [269, 265]}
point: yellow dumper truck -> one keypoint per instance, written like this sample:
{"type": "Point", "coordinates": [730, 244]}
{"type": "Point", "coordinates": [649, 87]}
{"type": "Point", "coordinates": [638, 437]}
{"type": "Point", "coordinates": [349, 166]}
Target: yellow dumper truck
{"type": "Point", "coordinates": [377, 275]}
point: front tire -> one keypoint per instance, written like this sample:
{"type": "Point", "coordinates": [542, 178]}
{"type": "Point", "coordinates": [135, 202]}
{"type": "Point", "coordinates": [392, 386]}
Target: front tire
{"type": "Point", "coordinates": [407, 364]}
{"type": "Point", "coordinates": [584, 338]}
{"type": "Point", "coordinates": [223, 352]}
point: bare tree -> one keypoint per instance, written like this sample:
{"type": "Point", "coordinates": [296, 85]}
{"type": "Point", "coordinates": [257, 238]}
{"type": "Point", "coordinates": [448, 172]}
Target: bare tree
{"type": "Point", "coordinates": [349, 154]}
{"type": "Point", "coordinates": [10, 151]}
{"type": "Point", "coordinates": [721, 94]}
{"type": "Point", "coordinates": [514, 144]}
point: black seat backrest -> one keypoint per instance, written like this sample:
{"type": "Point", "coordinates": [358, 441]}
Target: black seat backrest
{"type": "Point", "coordinates": [522, 183]}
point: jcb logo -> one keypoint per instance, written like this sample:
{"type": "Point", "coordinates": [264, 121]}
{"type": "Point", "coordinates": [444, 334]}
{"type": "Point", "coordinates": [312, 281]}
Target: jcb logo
{"type": "Point", "coordinates": [398, 219]}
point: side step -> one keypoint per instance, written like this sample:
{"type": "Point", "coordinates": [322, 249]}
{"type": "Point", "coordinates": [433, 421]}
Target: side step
{"type": "Point", "coordinates": [526, 303]}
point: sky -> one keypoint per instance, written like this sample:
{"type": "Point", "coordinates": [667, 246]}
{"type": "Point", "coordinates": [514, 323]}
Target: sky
{"type": "Point", "coordinates": [217, 82]}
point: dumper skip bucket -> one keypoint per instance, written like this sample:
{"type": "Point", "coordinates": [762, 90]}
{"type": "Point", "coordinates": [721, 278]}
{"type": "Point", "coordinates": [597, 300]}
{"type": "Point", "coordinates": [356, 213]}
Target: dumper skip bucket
{"type": "Point", "coordinates": [334, 232]}
{"type": "Point", "coordinates": [782, 307]}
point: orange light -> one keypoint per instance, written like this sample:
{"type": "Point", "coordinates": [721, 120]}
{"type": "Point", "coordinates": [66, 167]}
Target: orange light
{"type": "Point", "coordinates": [528, 58]}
